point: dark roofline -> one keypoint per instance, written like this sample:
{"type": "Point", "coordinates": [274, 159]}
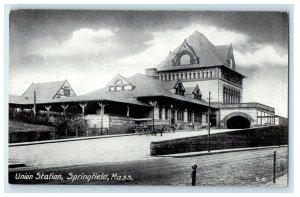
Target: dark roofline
{"type": "Point", "coordinates": [184, 99]}
{"type": "Point", "coordinates": [195, 66]}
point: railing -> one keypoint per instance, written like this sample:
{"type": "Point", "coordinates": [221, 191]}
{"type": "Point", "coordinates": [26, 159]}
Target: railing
{"type": "Point", "coordinates": [245, 105]}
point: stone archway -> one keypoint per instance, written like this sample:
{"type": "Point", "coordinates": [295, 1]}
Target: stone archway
{"type": "Point", "coordinates": [237, 120]}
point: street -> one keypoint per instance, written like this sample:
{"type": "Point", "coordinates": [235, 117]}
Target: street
{"type": "Point", "coordinates": [246, 168]}
{"type": "Point", "coordinates": [93, 151]}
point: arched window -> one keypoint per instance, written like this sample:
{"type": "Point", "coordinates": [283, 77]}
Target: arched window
{"type": "Point", "coordinates": [185, 59]}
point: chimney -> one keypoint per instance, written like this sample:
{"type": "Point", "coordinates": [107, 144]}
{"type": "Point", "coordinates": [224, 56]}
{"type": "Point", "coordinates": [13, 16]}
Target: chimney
{"type": "Point", "coordinates": [151, 72]}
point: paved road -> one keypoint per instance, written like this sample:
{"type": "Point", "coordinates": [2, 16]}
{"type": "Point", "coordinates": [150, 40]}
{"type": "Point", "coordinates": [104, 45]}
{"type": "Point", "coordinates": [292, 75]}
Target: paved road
{"type": "Point", "coordinates": [236, 168]}
{"type": "Point", "coordinates": [92, 151]}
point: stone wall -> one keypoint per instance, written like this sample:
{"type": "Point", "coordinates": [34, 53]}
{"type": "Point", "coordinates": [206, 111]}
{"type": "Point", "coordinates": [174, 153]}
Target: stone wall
{"type": "Point", "coordinates": [94, 120]}
{"type": "Point", "coordinates": [120, 124]}
{"type": "Point", "coordinates": [255, 137]}
{"type": "Point", "coordinates": [114, 124]}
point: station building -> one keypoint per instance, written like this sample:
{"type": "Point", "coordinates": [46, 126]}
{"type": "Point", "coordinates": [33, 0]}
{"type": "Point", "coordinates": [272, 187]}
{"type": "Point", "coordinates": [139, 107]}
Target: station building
{"type": "Point", "coordinates": [175, 92]}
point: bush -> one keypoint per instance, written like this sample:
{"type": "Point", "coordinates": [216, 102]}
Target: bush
{"type": "Point", "coordinates": [71, 124]}
{"type": "Point", "coordinates": [28, 117]}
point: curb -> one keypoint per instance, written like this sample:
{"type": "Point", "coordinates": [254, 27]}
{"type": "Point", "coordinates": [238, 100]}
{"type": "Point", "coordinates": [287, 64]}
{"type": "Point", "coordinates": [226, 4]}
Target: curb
{"type": "Point", "coordinates": [183, 155]}
{"type": "Point", "coordinates": [68, 140]}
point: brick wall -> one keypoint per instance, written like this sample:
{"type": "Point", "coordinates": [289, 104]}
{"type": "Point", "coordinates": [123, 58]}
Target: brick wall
{"type": "Point", "coordinates": [255, 137]}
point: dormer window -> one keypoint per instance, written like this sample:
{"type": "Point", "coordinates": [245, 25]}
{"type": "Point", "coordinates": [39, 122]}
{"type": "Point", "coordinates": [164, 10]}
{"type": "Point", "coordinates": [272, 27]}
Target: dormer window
{"type": "Point", "coordinates": [197, 93]}
{"type": "Point", "coordinates": [128, 87]}
{"type": "Point", "coordinates": [118, 88]}
{"type": "Point", "coordinates": [197, 96]}
{"type": "Point", "coordinates": [185, 56]}
{"type": "Point", "coordinates": [118, 84]}
{"type": "Point", "coordinates": [179, 89]}
{"type": "Point", "coordinates": [66, 91]}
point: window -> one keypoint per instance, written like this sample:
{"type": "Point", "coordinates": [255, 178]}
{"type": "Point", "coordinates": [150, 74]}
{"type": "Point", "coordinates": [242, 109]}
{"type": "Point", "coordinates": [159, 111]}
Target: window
{"type": "Point", "coordinates": [128, 87]}
{"type": "Point", "coordinates": [179, 89]}
{"type": "Point", "coordinates": [166, 114]}
{"type": "Point", "coordinates": [198, 117]}
{"type": "Point", "coordinates": [112, 88]}
{"type": "Point", "coordinates": [189, 116]}
{"type": "Point", "coordinates": [197, 96]}
{"type": "Point", "coordinates": [185, 59]}
{"type": "Point", "coordinates": [66, 91]}
{"type": "Point", "coordinates": [118, 88]}
{"type": "Point", "coordinates": [180, 115]}
{"type": "Point", "coordinates": [160, 113]}
{"type": "Point", "coordinates": [118, 82]}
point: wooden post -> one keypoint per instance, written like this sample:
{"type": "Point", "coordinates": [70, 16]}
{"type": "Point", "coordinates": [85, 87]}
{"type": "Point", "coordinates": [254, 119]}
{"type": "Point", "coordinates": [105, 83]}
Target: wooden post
{"type": "Point", "coordinates": [153, 104]}
{"type": "Point", "coordinates": [102, 105]}
{"type": "Point", "coordinates": [209, 98]}
{"type": "Point", "coordinates": [274, 167]}
{"type": "Point", "coordinates": [34, 103]}
{"type": "Point", "coordinates": [127, 111]}
{"type": "Point", "coordinates": [83, 105]}
{"type": "Point", "coordinates": [48, 107]}
{"type": "Point", "coordinates": [65, 108]}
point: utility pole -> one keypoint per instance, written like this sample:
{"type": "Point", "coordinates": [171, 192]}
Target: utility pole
{"type": "Point", "coordinates": [34, 103]}
{"type": "Point", "coordinates": [209, 98]}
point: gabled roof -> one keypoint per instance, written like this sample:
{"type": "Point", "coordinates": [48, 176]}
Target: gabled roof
{"type": "Point", "coordinates": [116, 78]}
{"type": "Point", "coordinates": [45, 90]}
{"type": "Point", "coordinates": [144, 87]}
{"type": "Point", "coordinates": [178, 84]}
{"type": "Point", "coordinates": [192, 90]}
{"type": "Point", "coordinates": [208, 54]}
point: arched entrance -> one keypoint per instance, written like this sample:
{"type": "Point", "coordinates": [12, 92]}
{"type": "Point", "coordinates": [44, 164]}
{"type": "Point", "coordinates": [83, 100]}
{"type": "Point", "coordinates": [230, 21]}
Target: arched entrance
{"type": "Point", "coordinates": [237, 120]}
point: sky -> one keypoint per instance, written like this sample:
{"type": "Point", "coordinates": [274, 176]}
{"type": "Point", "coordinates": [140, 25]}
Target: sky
{"type": "Point", "coordinates": [90, 47]}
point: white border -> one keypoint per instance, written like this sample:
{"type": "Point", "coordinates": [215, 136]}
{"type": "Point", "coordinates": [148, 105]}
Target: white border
{"type": "Point", "coordinates": [293, 71]}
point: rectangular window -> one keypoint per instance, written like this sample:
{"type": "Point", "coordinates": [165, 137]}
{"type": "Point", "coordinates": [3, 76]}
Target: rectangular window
{"type": "Point", "coordinates": [118, 88]}
{"type": "Point", "coordinates": [189, 116]}
{"type": "Point", "coordinates": [67, 92]}
{"type": "Point", "coordinates": [160, 113]}
{"type": "Point", "coordinates": [166, 114]}
{"type": "Point", "coordinates": [198, 117]}
{"type": "Point", "coordinates": [180, 115]}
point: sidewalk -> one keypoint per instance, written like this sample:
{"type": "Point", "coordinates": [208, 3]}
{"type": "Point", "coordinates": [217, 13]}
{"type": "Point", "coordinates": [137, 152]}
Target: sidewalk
{"type": "Point", "coordinates": [279, 182]}
{"type": "Point", "coordinates": [193, 154]}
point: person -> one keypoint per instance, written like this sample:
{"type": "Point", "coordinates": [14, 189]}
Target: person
{"type": "Point", "coordinates": [161, 130]}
